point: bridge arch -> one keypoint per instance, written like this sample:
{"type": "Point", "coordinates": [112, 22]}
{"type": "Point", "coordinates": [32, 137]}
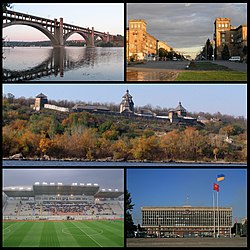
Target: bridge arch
{"type": "Point", "coordinates": [83, 34]}
{"type": "Point", "coordinates": [46, 32]}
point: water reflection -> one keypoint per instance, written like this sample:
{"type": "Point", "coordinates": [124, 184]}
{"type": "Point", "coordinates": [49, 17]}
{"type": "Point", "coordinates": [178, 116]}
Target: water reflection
{"type": "Point", "coordinates": [137, 75]}
{"type": "Point", "coordinates": [70, 63]}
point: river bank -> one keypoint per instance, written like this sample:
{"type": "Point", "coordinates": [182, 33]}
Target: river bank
{"type": "Point", "coordinates": [46, 158]}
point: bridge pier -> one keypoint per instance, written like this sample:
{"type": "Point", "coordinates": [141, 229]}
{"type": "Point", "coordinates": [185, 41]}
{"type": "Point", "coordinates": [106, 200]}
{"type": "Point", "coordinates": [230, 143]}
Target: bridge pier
{"type": "Point", "coordinates": [58, 33]}
{"type": "Point", "coordinates": [91, 39]}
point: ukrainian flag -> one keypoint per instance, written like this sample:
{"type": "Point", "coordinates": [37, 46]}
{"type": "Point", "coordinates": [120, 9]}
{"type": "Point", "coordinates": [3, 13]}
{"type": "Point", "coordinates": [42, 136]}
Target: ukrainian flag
{"type": "Point", "coordinates": [220, 177]}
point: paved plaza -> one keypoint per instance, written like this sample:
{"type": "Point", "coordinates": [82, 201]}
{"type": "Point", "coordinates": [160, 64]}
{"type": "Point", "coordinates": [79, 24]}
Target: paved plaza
{"type": "Point", "coordinates": [187, 242]}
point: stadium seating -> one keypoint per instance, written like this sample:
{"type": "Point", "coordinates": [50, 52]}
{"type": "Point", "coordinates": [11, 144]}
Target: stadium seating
{"type": "Point", "coordinates": [58, 208]}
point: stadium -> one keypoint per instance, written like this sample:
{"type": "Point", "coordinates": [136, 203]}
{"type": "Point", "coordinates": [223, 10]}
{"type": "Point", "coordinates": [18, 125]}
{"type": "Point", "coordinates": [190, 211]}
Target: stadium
{"type": "Point", "coordinates": [49, 214]}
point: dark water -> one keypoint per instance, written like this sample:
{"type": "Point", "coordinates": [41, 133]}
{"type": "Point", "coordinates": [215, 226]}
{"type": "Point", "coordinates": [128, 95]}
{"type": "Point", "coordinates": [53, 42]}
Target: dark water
{"type": "Point", "coordinates": [59, 64]}
{"type": "Point", "coordinates": [112, 164]}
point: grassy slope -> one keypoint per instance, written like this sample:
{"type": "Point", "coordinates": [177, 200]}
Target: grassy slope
{"type": "Point", "coordinates": [64, 234]}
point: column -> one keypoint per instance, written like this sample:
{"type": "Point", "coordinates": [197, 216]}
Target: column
{"type": "Point", "coordinates": [107, 37]}
{"type": "Point", "coordinates": [61, 32]}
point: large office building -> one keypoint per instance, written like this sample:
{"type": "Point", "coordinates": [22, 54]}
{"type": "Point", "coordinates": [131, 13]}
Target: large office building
{"type": "Point", "coordinates": [234, 37]}
{"type": "Point", "coordinates": [187, 221]}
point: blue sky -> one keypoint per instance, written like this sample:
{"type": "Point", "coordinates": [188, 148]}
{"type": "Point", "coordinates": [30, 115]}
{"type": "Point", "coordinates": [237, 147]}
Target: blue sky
{"type": "Point", "coordinates": [102, 16]}
{"type": "Point", "coordinates": [224, 98]}
{"type": "Point", "coordinates": [171, 187]}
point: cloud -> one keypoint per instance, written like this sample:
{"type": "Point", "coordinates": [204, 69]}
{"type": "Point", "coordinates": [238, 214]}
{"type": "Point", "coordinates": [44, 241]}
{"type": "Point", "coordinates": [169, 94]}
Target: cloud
{"type": "Point", "coordinates": [184, 24]}
{"type": "Point", "coordinates": [106, 178]}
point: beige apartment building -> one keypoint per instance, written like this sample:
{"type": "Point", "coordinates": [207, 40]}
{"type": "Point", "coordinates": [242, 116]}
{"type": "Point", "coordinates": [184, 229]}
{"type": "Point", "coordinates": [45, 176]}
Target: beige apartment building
{"type": "Point", "coordinates": [226, 34]}
{"type": "Point", "coordinates": [140, 44]}
{"type": "Point", "coordinates": [163, 45]}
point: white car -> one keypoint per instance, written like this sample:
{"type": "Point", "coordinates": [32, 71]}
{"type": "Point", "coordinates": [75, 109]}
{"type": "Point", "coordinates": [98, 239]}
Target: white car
{"type": "Point", "coordinates": [235, 59]}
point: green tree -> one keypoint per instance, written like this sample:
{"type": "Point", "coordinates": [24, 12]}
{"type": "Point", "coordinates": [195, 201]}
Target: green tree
{"type": "Point", "coordinates": [162, 52]}
{"type": "Point", "coordinates": [130, 226]}
{"type": "Point", "coordinates": [5, 6]}
{"type": "Point", "coordinates": [225, 53]}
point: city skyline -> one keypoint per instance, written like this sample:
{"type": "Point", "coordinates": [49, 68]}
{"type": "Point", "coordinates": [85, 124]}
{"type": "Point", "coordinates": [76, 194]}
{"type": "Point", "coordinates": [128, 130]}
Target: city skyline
{"type": "Point", "coordinates": [212, 98]}
{"type": "Point", "coordinates": [193, 187]}
{"type": "Point", "coordinates": [105, 178]}
{"type": "Point", "coordinates": [193, 22]}
{"type": "Point", "coordinates": [80, 14]}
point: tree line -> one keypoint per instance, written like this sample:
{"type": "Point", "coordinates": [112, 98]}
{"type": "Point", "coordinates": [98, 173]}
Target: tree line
{"type": "Point", "coordinates": [97, 136]}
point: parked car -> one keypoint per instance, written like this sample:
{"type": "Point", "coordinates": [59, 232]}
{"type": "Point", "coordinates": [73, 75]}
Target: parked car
{"type": "Point", "coordinates": [235, 59]}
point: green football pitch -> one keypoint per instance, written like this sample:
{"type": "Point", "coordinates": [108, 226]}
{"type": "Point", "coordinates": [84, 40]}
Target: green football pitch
{"type": "Point", "coordinates": [63, 233]}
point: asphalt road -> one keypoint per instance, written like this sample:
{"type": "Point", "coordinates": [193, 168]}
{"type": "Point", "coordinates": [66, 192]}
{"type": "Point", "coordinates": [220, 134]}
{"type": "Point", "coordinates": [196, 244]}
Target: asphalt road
{"type": "Point", "coordinates": [187, 242]}
{"type": "Point", "coordinates": [232, 65]}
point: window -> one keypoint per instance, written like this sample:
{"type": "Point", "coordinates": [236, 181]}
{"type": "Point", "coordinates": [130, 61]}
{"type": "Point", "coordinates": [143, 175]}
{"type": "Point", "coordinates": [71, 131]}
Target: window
{"type": "Point", "coordinates": [232, 40]}
{"type": "Point", "coordinates": [132, 25]}
{"type": "Point", "coordinates": [139, 26]}
{"type": "Point", "coordinates": [223, 40]}
{"type": "Point", "coordinates": [226, 25]}
{"type": "Point", "coordinates": [219, 25]}
{"type": "Point", "coordinates": [222, 35]}
{"type": "Point", "coordinates": [135, 26]}
{"type": "Point", "coordinates": [222, 25]}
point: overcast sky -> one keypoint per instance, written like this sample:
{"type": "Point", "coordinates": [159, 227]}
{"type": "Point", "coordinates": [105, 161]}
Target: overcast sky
{"type": "Point", "coordinates": [186, 26]}
{"type": "Point", "coordinates": [106, 178]}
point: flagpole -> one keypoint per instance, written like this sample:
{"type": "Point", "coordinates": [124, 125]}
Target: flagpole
{"type": "Point", "coordinates": [214, 214]}
{"type": "Point", "coordinates": [218, 217]}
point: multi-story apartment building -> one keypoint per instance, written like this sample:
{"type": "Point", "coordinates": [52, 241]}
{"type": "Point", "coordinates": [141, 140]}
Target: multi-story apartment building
{"type": "Point", "coordinates": [139, 43]}
{"type": "Point", "coordinates": [187, 221]}
{"type": "Point", "coordinates": [226, 34]}
{"type": "Point", "coordinates": [165, 46]}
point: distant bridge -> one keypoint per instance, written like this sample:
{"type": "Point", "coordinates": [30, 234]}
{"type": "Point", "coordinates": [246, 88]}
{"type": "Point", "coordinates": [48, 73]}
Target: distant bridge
{"type": "Point", "coordinates": [57, 31]}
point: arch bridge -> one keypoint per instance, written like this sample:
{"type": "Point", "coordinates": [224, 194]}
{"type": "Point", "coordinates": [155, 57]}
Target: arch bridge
{"type": "Point", "coordinates": [57, 31]}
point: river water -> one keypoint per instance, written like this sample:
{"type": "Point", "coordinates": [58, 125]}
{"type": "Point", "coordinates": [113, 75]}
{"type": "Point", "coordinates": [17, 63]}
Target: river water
{"type": "Point", "coordinates": [22, 64]}
{"type": "Point", "coordinates": [17, 163]}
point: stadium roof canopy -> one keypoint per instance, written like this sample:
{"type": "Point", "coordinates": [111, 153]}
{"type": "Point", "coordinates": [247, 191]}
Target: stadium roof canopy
{"type": "Point", "coordinates": [65, 190]}
{"type": "Point", "coordinates": [108, 194]}
{"type": "Point", "coordinates": [19, 191]}
{"type": "Point", "coordinates": [59, 189]}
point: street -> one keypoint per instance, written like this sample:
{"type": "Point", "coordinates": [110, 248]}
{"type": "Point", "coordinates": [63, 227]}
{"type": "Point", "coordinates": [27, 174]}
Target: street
{"type": "Point", "coordinates": [232, 65]}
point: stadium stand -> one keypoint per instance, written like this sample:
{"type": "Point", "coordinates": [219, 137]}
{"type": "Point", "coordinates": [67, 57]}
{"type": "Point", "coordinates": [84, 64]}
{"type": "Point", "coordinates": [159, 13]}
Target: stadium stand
{"type": "Point", "coordinates": [59, 202]}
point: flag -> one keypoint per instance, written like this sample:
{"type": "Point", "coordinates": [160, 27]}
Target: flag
{"type": "Point", "coordinates": [216, 187]}
{"type": "Point", "coordinates": [220, 177]}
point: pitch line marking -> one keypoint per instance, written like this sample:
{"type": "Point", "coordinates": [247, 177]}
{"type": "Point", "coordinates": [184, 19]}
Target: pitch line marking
{"type": "Point", "coordinates": [8, 228]}
{"type": "Point", "coordinates": [87, 235]}
{"type": "Point", "coordinates": [64, 229]}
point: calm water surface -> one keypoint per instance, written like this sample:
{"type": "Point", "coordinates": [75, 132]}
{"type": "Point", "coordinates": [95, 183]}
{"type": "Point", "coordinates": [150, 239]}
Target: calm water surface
{"type": "Point", "coordinates": [59, 64]}
{"type": "Point", "coordinates": [110, 164]}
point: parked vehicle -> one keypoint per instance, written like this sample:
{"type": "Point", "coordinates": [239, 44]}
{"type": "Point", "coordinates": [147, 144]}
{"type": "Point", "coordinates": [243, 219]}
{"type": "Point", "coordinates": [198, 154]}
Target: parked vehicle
{"type": "Point", "coordinates": [235, 59]}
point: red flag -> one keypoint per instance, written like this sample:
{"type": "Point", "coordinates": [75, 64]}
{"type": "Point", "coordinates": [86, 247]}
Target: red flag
{"type": "Point", "coordinates": [216, 187]}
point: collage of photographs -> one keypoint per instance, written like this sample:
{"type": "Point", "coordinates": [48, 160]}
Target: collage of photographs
{"type": "Point", "coordinates": [124, 125]}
